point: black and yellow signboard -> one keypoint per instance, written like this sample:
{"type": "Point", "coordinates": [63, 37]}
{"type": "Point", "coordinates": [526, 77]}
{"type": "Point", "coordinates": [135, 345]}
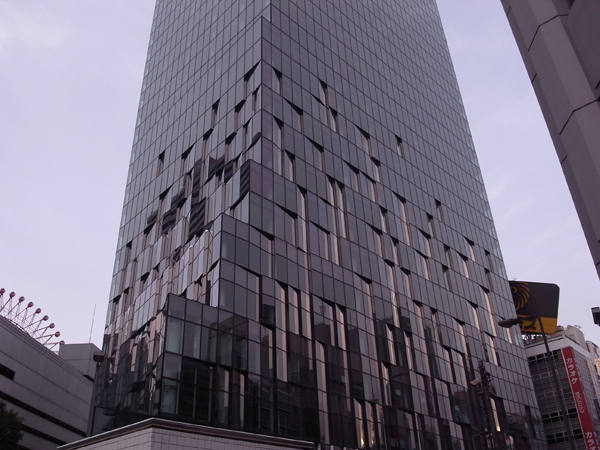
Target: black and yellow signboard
{"type": "Point", "coordinates": [536, 300]}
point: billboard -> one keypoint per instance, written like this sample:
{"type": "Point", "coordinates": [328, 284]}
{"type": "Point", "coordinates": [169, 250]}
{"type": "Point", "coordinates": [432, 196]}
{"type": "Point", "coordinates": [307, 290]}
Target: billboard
{"type": "Point", "coordinates": [536, 299]}
{"type": "Point", "coordinates": [583, 410]}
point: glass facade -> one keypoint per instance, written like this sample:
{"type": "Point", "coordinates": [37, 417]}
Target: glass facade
{"type": "Point", "coordinates": [306, 247]}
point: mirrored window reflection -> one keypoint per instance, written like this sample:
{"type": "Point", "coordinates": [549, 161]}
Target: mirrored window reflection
{"type": "Point", "coordinates": [170, 392]}
{"type": "Point", "coordinates": [174, 335]}
{"type": "Point", "coordinates": [277, 81]}
{"type": "Point", "coordinates": [422, 265]}
{"type": "Point", "coordinates": [404, 220]}
{"type": "Point", "coordinates": [360, 425]}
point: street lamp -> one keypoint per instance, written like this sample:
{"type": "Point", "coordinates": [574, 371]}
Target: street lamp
{"type": "Point", "coordinates": [507, 323]}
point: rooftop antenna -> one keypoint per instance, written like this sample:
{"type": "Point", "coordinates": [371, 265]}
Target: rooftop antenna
{"type": "Point", "coordinates": [92, 327]}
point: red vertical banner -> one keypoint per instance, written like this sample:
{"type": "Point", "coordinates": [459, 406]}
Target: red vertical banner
{"type": "Point", "coordinates": [583, 412]}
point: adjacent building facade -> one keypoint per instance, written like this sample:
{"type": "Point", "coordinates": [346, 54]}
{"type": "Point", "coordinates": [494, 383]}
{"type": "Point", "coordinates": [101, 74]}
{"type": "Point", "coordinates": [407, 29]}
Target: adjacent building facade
{"type": "Point", "coordinates": [558, 40]}
{"type": "Point", "coordinates": [578, 381]}
{"type": "Point", "coordinates": [306, 248]}
{"type": "Point", "coordinates": [47, 391]}
{"type": "Point", "coordinates": [594, 351]}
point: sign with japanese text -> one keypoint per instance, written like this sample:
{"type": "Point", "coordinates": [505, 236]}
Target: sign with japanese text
{"type": "Point", "coordinates": [583, 412]}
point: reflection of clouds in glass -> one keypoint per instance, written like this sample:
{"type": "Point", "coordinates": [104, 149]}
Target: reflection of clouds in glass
{"type": "Point", "coordinates": [28, 24]}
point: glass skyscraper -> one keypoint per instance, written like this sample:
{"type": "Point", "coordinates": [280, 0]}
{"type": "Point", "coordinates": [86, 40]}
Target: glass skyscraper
{"type": "Point", "coordinates": [306, 248]}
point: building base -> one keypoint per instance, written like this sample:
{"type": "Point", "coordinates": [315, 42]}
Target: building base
{"type": "Point", "coordinates": [161, 434]}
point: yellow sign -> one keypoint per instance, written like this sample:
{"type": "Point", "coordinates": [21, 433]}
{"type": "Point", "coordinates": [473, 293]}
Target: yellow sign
{"type": "Point", "coordinates": [536, 300]}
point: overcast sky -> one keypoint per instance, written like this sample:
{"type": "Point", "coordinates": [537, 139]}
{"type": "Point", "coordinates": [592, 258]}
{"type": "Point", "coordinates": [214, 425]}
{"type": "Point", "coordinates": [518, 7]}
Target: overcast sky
{"type": "Point", "coordinates": [70, 77]}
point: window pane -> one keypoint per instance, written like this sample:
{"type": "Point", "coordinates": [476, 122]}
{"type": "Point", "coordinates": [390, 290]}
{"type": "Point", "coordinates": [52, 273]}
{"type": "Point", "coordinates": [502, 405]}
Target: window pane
{"type": "Point", "coordinates": [174, 336]}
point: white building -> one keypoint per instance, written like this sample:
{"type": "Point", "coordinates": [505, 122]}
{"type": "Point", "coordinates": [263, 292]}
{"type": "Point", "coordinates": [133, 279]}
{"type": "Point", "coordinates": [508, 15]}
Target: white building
{"type": "Point", "coordinates": [51, 394]}
{"type": "Point", "coordinates": [578, 381]}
